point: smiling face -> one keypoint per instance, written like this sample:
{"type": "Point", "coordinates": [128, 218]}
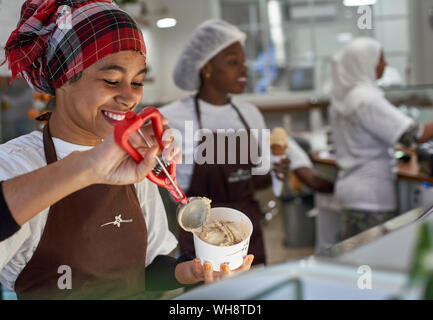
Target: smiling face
{"type": "Point", "coordinates": [88, 109]}
{"type": "Point", "coordinates": [226, 72]}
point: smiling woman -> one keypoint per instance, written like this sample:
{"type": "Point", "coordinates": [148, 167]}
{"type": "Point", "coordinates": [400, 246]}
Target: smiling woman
{"type": "Point", "coordinates": [96, 79]}
{"type": "Point", "coordinates": [40, 51]}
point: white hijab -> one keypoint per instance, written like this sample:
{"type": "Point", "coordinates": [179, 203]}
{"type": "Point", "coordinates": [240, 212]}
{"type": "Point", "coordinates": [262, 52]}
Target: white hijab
{"type": "Point", "coordinates": [354, 75]}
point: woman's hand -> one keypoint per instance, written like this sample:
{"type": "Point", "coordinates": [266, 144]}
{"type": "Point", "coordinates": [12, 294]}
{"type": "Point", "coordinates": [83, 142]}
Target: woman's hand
{"type": "Point", "coordinates": [191, 272]}
{"type": "Point", "coordinates": [112, 165]}
{"type": "Point", "coordinates": [171, 150]}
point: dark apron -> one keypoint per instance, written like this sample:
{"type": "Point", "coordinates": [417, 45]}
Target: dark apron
{"type": "Point", "coordinates": [228, 185]}
{"type": "Point", "coordinates": [100, 233]}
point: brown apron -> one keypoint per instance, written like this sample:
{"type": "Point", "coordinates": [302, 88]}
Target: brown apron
{"type": "Point", "coordinates": [99, 233]}
{"type": "Point", "coordinates": [228, 185]}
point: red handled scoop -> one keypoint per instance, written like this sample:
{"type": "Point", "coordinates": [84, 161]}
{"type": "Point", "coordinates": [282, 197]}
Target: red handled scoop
{"type": "Point", "coordinates": [191, 214]}
{"type": "Point", "coordinates": [133, 122]}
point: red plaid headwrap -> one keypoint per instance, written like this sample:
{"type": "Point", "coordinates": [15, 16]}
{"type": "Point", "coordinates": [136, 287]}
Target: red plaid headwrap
{"type": "Point", "coordinates": [57, 39]}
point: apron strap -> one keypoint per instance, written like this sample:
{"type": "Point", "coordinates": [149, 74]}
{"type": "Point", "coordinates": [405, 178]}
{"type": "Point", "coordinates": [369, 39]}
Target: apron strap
{"type": "Point", "coordinates": [198, 113]}
{"type": "Point", "coordinates": [240, 116]}
{"type": "Point", "coordinates": [49, 149]}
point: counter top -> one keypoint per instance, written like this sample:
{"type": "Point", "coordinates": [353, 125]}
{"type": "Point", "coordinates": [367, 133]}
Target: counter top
{"type": "Point", "coordinates": [290, 101]}
{"type": "Point", "coordinates": [285, 102]}
{"type": "Point", "coordinates": [408, 171]}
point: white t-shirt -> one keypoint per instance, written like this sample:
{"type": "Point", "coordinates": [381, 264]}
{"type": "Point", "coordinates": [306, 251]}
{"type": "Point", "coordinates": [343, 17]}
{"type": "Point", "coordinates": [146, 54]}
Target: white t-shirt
{"type": "Point", "coordinates": [364, 141]}
{"type": "Point", "coordinates": [213, 118]}
{"type": "Point", "coordinates": [25, 154]}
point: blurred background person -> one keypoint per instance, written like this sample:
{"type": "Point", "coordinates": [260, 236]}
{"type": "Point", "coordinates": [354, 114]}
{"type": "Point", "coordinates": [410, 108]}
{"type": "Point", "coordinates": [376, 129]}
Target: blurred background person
{"type": "Point", "coordinates": [365, 127]}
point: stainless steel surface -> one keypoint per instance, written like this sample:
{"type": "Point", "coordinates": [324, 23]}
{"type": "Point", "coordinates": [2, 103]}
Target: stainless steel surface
{"type": "Point", "coordinates": [375, 233]}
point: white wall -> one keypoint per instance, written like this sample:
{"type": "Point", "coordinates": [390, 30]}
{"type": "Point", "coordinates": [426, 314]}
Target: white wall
{"type": "Point", "coordinates": [164, 45]}
{"type": "Point", "coordinates": [421, 42]}
{"type": "Point", "coordinates": [391, 28]}
{"type": "Point", "coordinates": [151, 90]}
{"type": "Point", "coordinates": [170, 42]}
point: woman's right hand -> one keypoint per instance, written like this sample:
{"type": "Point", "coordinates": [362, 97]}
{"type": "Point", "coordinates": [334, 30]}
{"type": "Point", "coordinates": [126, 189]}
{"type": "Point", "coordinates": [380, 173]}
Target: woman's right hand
{"type": "Point", "coordinates": [112, 165]}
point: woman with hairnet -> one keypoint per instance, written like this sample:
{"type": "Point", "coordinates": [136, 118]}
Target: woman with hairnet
{"type": "Point", "coordinates": [365, 127]}
{"type": "Point", "coordinates": [212, 64]}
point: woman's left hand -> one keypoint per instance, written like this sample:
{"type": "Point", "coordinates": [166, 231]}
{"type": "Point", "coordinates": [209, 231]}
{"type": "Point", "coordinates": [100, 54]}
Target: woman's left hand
{"type": "Point", "coordinates": [193, 271]}
{"type": "Point", "coordinates": [110, 164]}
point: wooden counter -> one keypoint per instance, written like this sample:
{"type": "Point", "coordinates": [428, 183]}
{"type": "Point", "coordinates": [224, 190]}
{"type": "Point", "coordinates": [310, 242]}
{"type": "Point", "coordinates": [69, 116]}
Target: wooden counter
{"type": "Point", "coordinates": [292, 107]}
{"type": "Point", "coordinates": [408, 171]}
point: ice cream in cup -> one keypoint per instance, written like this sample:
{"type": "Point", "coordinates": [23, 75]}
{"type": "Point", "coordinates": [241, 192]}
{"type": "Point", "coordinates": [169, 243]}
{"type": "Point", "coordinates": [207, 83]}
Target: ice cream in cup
{"type": "Point", "coordinates": [224, 238]}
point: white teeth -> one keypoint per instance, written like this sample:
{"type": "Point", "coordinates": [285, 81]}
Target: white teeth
{"type": "Point", "coordinates": [242, 79]}
{"type": "Point", "coordinates": [113, 116]}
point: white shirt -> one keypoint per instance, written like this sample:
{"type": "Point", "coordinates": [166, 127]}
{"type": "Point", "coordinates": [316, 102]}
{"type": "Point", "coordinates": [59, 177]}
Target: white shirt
{"type": "Point", "coordinates": [213, 117]}
{"type": "Point", "coordinates": [25, 154]}
{"type": "Point", "coordinates": [364, 141]}
{"type": "Point", "coordinates": [218, 117]}
{"type": "Point", "coordinates": [298, 157]}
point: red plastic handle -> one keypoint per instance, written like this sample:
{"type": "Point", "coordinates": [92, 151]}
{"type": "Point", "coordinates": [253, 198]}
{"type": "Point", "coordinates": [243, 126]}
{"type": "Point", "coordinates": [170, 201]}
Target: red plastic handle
{"type": "Point", "coordinates": [133, 122]}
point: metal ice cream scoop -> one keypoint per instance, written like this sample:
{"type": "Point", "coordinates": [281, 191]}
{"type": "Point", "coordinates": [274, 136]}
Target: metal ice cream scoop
{"type": "Point", "coordinates": [191, 213]}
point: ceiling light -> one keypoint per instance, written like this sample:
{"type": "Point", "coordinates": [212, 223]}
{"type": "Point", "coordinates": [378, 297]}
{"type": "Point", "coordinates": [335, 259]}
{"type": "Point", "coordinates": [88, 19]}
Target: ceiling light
{"type": "Point", "coordinates": [358, 3]}
{"type": "Point", "coordinates": [166, 23]}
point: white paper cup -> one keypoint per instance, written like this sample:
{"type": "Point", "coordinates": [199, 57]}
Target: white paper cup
{"type": "Point", "coordinates": [216, 255]}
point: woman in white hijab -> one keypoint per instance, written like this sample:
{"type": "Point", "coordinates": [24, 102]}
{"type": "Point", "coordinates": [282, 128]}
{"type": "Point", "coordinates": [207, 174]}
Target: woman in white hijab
{"type": "Point", "coordinates": [365, 127]}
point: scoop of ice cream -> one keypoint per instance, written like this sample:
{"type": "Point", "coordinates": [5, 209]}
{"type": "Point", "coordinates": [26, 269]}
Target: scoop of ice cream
{"type": "Point", "coordinates": [279, 142]}
{"type": "Point", "coordinates": [222, 232]}
{"type": "Point", "coordinates": [193, 215]}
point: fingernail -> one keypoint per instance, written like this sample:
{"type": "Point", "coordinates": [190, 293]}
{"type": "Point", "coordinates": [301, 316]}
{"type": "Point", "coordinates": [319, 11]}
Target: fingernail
{"type": "Point", "coordinates": [225, 267]}
{"type": "Point", "coordinates": [250, 258]}
{"type": "Point", "coordinates": [197, 261]}
{"type": "Point", "coordinates": [207, 266]}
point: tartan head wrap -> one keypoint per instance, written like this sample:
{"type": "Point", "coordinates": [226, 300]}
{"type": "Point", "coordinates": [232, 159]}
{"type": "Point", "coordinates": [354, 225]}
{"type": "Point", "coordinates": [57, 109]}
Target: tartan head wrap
{"type": "Point", "coordinates": [57, 39]}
